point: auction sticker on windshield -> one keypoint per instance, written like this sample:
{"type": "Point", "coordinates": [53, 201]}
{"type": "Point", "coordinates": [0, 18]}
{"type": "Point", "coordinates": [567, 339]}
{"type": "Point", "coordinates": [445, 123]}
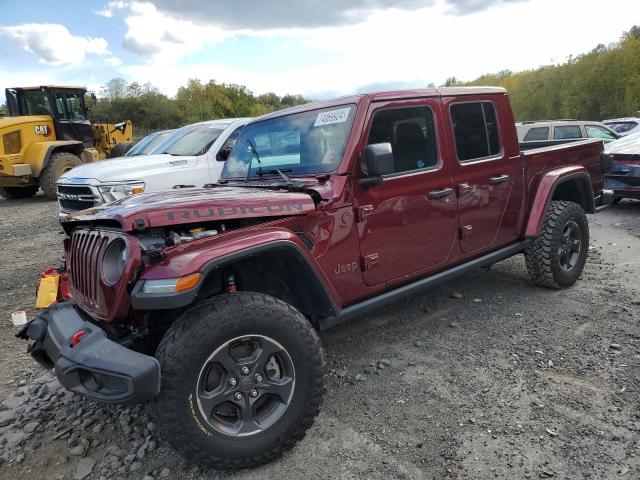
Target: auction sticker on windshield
{"type": "Point", "coordinates": [332, 116]}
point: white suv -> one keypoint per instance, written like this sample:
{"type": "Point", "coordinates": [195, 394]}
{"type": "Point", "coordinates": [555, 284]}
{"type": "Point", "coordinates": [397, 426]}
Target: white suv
{"type": "Point", "coordinates": [190, 157]}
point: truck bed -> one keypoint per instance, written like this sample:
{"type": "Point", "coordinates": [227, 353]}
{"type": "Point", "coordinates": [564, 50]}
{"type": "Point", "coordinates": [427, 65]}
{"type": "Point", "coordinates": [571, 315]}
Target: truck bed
{"type": "Point", "coordinates": [585, 153]}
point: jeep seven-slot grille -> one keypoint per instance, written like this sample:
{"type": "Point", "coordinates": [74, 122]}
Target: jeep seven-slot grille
{"type": "Point", "coordinates": [87, 248]}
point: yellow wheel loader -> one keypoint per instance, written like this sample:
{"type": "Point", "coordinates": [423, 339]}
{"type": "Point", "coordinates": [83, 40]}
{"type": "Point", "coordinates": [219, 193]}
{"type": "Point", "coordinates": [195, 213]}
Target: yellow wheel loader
{"type": "Point", "coordinates": [48, 133]}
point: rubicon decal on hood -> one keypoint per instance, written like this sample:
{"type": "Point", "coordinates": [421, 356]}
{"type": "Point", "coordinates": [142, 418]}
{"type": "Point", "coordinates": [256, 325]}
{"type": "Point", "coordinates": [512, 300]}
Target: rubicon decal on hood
{"type": "Point", "coordinates": [190, 205]}
{"type": "Point", "coordinates": [234, 212]}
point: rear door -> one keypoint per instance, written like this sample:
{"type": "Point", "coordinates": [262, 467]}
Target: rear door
{"type": "Point", "coordinates": [567, 132]}
{"type": "Point", "coordinates": [408, 223]}
{"type": "Point", "coordinates": [484, 173]}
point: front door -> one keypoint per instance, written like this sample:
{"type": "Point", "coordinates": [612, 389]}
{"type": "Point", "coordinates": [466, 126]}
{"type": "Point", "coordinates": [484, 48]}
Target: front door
{"type": "Point", "coordinates": [71, 118]}
{"type": "Point", "coordinates": [408, 223]}
{"type": "Point", "coordinates": [488, 203]}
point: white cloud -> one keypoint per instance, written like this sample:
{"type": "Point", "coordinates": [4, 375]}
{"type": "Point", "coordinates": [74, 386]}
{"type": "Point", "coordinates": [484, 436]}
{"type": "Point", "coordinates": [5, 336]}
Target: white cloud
{"type": "Point", "coordinates": [109, 10]}
{"type": "Point", "coordinates": [159, 38]}
{"type": "Point", "coordinates": [55, 45]}
{"type": "Point", "coordinates": [105, 12]}
{"type": "Point", "coordinates": [392, 47]}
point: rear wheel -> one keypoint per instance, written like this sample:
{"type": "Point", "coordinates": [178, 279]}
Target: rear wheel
{"type": "Point", "coordinates": [59, 164]}
{"type": "Point", "coordinates": [14, 193]}
{"type": "Point", "coordinates": [557, 256]}
{"type": "Point", "coordinates": [242, 380]}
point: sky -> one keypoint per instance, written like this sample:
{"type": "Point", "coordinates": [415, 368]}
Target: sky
{"type": "Point", "coordinates": [316, 48]}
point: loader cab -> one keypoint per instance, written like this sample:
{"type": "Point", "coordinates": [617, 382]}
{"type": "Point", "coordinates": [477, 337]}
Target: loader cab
{"type": "Point", "coordinates": [64, 104]}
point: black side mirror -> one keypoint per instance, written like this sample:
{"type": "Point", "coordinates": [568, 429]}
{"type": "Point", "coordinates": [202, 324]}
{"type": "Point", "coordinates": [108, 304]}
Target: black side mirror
{"type": "Point", "coordinates": [378, 161]}
{"type": "Point", "coordinates": [224, 153]}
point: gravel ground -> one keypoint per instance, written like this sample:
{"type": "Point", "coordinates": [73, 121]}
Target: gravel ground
{"type": "Point", "coordinates": [484, 377]}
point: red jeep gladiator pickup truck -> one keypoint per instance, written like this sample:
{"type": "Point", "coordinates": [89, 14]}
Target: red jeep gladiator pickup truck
{"type": "Point", "coordinates": [207, 300]}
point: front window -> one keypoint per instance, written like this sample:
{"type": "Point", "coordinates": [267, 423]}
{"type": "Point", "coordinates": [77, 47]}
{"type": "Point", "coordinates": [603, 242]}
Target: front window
{"type": "Point", "coordinates": [412, 136]}
{"type": "Point", "coordinates": [300, 143]}
{"type": "Point", "coordinates": [193, 140]}
{"type": "Point", "coordinates": [34, 102]}
{"type": "Point", "coordinates": [595, 131]}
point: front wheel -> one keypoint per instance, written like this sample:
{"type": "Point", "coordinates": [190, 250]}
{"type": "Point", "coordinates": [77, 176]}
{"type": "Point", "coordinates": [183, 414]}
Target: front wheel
{"type": "Point", "coordinates": [120, 149]}
{"type": "Point", "coordinates": [243, 376]}
{"type": "Point", "coordinates": [59, 164]}
{"type": "Point", "coordinates": [557, 256]}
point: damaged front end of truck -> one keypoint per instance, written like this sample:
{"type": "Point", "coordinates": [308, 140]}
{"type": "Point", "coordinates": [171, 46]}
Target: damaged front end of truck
{"type": "Point", "coordinates": [129, 260]}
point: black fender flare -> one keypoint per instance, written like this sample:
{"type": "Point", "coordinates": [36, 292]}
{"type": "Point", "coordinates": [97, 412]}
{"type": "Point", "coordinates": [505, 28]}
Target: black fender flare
{"type": "Point", "coordinates": [587, 199]}
{"type": "Point", "coordinates": [318, 290]}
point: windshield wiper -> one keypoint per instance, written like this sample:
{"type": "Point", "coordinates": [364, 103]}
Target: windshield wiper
{"type": "Point", "coordinates": [254, 154]}
{"type": "Point", "coordinates": [283, 175]}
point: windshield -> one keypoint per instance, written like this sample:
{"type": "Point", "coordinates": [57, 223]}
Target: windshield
{"type": "Point", "coordinates": [300, 143]}
{"type": "Point", "coordinates": [34, 102]}
{"type": "Point", "coordinates": [193, 140]}
{"type": "Point", "coordinates": [148, 143]}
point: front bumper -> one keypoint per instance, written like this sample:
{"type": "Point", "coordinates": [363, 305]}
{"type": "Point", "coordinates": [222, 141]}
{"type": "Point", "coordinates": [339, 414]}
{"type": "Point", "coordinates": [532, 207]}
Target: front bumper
{"type": "Point", "coordinates": [96, 367]}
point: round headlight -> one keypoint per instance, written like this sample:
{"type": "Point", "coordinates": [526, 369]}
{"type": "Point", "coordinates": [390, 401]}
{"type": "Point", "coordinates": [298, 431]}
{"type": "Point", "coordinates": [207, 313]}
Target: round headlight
{"type": "Point", "coordinates": [114, 261]}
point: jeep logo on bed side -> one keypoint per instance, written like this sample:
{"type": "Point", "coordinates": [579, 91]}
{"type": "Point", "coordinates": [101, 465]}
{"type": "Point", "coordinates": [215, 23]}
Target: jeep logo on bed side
{"type": "Point", "coordinates": [345, 268]}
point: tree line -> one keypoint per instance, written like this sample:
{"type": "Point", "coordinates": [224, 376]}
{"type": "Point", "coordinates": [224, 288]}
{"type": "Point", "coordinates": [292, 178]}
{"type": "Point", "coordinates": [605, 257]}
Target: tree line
{"type": "Point", "coordinates": [604, 83]}
{"type": "Point", "coordinates": [150, 110]}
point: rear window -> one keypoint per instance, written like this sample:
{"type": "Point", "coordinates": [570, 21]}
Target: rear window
{"type": "Point", "coordinates": [567, 131]}
{"type": "Point", "coordinates": [538, 133]}
{"type": "Point", "coordinates": [475, 129]}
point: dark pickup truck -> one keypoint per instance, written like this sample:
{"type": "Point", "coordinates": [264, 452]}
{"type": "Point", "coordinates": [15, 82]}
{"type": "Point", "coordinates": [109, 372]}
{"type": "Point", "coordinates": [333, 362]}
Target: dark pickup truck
{"type": "Point", "coordinates": [207, 300]}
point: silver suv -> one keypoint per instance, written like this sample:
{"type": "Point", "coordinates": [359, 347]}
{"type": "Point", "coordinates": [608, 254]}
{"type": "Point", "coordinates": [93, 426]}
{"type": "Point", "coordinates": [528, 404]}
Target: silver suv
{"type": "Point", "coordinates": [562, 131]}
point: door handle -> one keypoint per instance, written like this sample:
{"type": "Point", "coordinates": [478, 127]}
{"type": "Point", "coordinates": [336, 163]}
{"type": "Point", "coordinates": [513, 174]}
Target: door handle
{"type": "Point", "coordinates": [498, 179]}
{"type": "Point", "coordinates": [439, 193]}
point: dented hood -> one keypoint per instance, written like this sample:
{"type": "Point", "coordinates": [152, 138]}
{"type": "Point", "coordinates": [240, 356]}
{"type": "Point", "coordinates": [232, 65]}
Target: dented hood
{"type": "Point", "coordinates": [192, 205]}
